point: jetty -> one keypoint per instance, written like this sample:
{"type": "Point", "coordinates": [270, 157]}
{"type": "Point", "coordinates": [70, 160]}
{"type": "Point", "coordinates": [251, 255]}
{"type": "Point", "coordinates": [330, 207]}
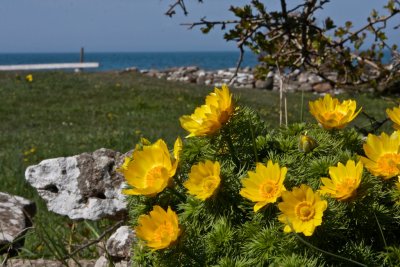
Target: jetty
{"type": "Point", "coordinates": [52, 66]}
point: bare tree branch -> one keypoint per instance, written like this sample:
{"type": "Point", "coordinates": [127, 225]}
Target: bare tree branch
{"type": "Point", "coordinates": [107, 231]}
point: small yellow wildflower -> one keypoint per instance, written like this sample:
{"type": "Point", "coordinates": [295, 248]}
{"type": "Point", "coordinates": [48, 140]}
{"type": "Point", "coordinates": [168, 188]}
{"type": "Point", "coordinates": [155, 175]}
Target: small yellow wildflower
{"type": "Point", "coordinates": [302, 210]}
{"type": "Point", "coordinates": [331, 114]}
{"type": "Point", "coordinates": [209, 118]}
{"type": "Point", "coordinates": [204, 179]}
{"type": "Point", "coordinates": [265, 185]}
{"type": "Point", "coordinates": [394, 115]}
{"type": "Point", "coordinates": [383, 155]}
{"type": "Point", "coordinates": [160, 229]}
{"type": "Point", "coordinates": [29, 78]}
{"type": "Point", "coordinates": [344, 180]}
{"type": "Point", "coordinates": [150, 170]}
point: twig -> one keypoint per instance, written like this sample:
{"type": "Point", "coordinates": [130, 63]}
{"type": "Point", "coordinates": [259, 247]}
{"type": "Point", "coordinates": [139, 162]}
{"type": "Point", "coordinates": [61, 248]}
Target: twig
{"type": "Point", "coordinates": [238, 64]}
{"type": "Point", "coordinates": [171, 11]}
{"type": "Point", "coordinates": [109, 230]}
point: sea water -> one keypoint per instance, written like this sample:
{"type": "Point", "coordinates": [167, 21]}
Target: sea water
{"type": "Point", "coordinates": [141, 60]}
{"type": "Point", "coordinates": [146, 60]}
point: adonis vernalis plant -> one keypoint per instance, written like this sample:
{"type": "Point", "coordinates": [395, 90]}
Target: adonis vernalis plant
{"type": "Point", "coordinates": [264, 185]}
{"type": "Point", "coordinates": [149, 171]}
{"type": "Point", "coordinates": [332, 114]}
{"type": "Point", "coordinates": [302, 210]}
{"type": "Point", "coordinates": [209, 118]}
{"type": "Point", "coordinates": [238, 193]}
{"type": "Point", "coordinates": [160, 229]}
{"type": "Point", "coordinates": [394, 116]}
{"type": "Point", "coordinates": [204, 179]}
{"type": "Point", "coordinates": [383, 155]}
{"type": "Point", "coordinates": [345, 179]}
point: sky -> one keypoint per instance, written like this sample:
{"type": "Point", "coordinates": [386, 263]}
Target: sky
{"type": "Point", "coordinates": [134, 25]}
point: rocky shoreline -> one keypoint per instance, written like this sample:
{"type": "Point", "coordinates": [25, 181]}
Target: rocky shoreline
{"type": "Point", "coordinates": [295, 81]}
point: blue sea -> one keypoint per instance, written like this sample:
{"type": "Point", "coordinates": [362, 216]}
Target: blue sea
{"type": "Point", "coordinates": [141, 60]}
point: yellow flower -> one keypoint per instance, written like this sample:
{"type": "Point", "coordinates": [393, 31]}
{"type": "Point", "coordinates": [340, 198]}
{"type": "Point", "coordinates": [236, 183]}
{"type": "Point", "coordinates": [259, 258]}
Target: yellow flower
{"type": "Point", "coordinates": [209, 118]}
{"type": "Point", "coordinates": [150, 170]}
{"type": "Point", "coordinates": [302, 210]}
{"type": "Point", "coordinates": [264, 185]}
{"type": "Point", "coordinates": [344, 180]}
{"type": "Point", "coordinates": [394, 115]}
{"type": "Point", "coordinates": [383, 157]}
{"type": "Point", "coordinates": [160, 229]}
{"type": "Point", "coordinates": [204, 179]}
{"type": "Point", "coordinates": [331, 114]}
{"type": "Point", "coordinates": [29, 78]}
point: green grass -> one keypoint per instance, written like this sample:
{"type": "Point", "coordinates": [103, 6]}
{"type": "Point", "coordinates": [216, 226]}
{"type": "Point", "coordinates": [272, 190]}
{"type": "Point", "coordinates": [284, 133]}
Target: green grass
{"type": "Point", "coordinates": [64, 114]}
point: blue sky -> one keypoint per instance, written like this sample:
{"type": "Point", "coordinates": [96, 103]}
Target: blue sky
{"type": "Point", "coordinates": [132, 25]}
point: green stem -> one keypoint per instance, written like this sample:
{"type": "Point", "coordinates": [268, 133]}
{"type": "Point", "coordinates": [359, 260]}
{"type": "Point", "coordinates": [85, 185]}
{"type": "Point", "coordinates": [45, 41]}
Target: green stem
{"type": "Point", "coordinates": [228, 139]}
{"type": "Point", "coordinates": [328, 253]}
{"type": "Point", "coordinates": [301, 106]}
{"type": "Point", "coordinates": [380, 230]}
{"type": "Point", "coordinates": [383, 237]}
{"type": "Point", "coordinates": [321, 250]}
{"type": "Point", "coordinates": [254, 141]}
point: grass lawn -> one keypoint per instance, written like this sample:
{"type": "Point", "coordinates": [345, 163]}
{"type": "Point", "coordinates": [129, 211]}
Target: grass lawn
{"type": "Point", "coordinates": [64, 114]}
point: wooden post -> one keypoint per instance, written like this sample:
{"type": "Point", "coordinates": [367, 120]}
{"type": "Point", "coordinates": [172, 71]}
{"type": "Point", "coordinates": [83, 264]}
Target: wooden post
{"type": "Point", "coordinates": [81, 59]}
{"type": "Point", "coordinates": [82, 56]}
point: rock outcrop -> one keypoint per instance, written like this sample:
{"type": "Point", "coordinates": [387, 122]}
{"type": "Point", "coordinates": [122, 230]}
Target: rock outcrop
{"type": "Point", "coordinates": [294, 81]}
{"type": "Point", "coordinates": [85, 186]}
{"type": "Point", "coordinates": [15, 218]}
{"type": "Point", "coordinates": [118, 247]}
{"type": "Point", "coordinates": [120, 243]}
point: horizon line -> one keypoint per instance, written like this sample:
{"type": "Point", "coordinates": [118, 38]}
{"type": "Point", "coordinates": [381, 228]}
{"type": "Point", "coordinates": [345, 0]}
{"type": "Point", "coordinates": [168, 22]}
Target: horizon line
{"type": "Point", "coordinates": [78, 51]}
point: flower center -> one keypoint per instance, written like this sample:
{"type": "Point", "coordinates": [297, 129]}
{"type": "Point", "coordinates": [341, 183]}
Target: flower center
{"type": "Point", "coordinates": [268, 189]}
{"type": "Point", "coordinates": [304, 211]}
{"type": "Point", "coordinates": [334, 115]}
{"type": "Point", "coordinates": [346, 186]}
{"type": "Point", "coordinates": [154, 174]}
{"type": "Point", "coordinates": [210, 183]}
{"type": "Point", "coordinates": [164, 230]}
{"type": "Point", "coordinates": [389, 164]}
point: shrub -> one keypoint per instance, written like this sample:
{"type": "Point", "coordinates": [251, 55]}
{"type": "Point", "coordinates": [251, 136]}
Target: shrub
{"type": "Point", "coordinates": [248, 195]}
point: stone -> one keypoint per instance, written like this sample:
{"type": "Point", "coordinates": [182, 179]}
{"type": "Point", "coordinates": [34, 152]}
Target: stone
{"type": "Point", "coordinates": [265, 84]}
{"type": "Point", "coordinates": [85, 186]}
{"type": "Point", "coordinates": [201, 79]}
{"type": "Point", "coordinates": [16, 215]}
{"type": "Point", "coordinates": [291, 86]}
{"type": "Point", "coordinates": [49, 263]}
{"type": "Point", "coordinates": [322, 87]}
{"type": "Point", "coordinates": [303, 77]}
{"type": "Point", "coordinates": [192, 68]}
{"type": "Point", "coordinates": [313, 78]}
{"type": "Point", "coordinates": [247, 69]}
{"type": "Point", "coordinates": [120, 243]}
{"type": "Point", "coordinates": [306, 87]}
{"type": "Point", "coordinates": [131, 69]}
{"type": "Point", "coordinates": [104, 262]}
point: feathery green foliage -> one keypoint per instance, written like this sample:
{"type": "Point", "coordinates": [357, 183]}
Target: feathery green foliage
{"type": "Point", "coordinates": [225, 231]}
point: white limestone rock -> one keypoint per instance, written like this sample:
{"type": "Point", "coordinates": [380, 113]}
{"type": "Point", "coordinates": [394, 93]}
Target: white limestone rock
{"type": "Point", "coordinates": [15, 218]}
{"type": "Point", "coordinates": [120, 243]}
{"type": "Point", "coordinates": [85, 186]}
